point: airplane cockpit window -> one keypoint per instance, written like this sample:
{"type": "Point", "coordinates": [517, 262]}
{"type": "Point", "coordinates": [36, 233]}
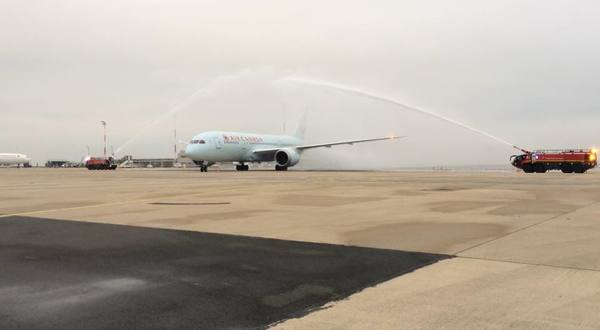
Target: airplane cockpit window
{"type": "Point", "coordinates": [198, 142]}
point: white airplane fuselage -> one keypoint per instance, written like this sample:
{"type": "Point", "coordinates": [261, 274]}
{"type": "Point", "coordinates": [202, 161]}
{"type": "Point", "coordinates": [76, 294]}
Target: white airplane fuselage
{"type": "Point", "coordinates": [14, 159]}
{"type": "Point", "coordinates": [216, 146]}
{"type": "Point", "coordinates": [208, 148]}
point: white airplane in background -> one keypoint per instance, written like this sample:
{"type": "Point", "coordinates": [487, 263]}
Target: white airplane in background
{"type": "Point", "coordinates": [15, 159]}
{"type": "Point", "coordinates": [209, 148]}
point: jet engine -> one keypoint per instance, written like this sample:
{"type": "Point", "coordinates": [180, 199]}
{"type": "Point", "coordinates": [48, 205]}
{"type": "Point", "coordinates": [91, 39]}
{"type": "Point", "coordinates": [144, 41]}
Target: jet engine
{"type": "Point", "coordinates": [287, 157]}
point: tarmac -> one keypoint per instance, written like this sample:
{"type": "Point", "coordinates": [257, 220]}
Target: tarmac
{"type": "Point", "coordinates": [332, 250]}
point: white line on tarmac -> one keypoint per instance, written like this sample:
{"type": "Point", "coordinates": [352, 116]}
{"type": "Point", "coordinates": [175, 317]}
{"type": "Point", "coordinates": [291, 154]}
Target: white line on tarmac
{"type": "Point", "coordinates": [74, 208]}
{"type": "Point", "coordinates": [133, 201]}
{"type": "Point", "coordinates": [530, 264]}
{"type": "Point", "coordinates": [555, 217]}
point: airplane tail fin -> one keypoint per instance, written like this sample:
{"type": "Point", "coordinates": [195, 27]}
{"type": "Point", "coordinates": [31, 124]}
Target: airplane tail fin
{"type": "Point", "coordinates": [301, 130]}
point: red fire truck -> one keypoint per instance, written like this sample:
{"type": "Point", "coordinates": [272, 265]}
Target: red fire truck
{"type": "Point", "coordinates": [101, 163]}
{"type": "Point", "coordinates": [567, 161]}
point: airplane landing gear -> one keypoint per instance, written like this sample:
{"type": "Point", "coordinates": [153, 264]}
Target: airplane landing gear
{"type": "Point", "coordinates": [280, 168]}
{"type": "Point", "coordinates": [202, 164]}
{"type": "Point", "coordinates": [242, 167]}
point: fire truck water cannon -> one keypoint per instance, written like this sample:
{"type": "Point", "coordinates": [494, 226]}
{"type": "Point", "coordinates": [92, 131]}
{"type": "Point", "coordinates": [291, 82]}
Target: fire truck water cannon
{"type": "Point", "coordinates": [567, 161]}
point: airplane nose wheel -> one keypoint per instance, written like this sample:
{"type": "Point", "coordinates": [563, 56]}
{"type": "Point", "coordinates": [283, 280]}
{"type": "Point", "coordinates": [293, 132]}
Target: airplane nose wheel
{"type": "Point", "coordinates": [203, 166]}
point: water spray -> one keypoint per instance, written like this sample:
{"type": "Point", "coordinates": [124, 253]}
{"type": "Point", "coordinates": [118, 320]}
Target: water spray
{"type": "Point", "coordinates": [374, 96]}
{"type": "Point", "coordinates": [199, 94]}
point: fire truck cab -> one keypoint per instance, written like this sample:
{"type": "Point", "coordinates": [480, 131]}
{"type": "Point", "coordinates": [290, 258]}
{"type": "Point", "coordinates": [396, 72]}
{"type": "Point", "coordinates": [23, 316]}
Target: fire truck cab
{"type": "Point", "coordinates": [567, 161]}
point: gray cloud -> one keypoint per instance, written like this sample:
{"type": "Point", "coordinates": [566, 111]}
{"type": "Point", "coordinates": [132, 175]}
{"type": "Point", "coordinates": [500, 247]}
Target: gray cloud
{"type": "Point", "coordinates": [525, 71]}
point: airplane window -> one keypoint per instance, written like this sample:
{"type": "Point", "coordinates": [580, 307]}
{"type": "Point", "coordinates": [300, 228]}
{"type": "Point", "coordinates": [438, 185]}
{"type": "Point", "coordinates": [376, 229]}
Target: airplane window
{"type": "Point", "coordinates": [202, 142]}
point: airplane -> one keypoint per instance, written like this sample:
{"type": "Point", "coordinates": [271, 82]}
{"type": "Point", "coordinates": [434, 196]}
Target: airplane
{"type": "Point", "coordinates": [208, 148]}
{"type": "Point", "coordinates": [15, 159]}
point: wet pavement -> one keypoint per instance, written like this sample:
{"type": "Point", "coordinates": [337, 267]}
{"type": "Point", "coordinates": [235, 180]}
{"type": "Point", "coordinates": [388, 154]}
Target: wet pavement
{"type": "Point", "coordinates": [67, 274]}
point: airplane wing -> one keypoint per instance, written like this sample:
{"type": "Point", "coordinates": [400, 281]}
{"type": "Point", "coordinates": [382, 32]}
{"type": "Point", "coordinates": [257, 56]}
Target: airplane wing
{"type": "Point", "coordinates": [326, 145]}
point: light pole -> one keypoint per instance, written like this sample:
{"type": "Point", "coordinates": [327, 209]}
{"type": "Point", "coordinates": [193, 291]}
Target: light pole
{"type": "Point", "coordinates": [104, 127]}
{"type": "Point", "coordinates": [175, 140]}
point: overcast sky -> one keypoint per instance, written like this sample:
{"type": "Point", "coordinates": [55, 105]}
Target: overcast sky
{"type": "Point", "coordinates": [525, 71]}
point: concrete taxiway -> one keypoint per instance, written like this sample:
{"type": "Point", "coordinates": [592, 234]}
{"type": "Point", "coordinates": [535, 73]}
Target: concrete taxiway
{"type": "Point", "coordinates": [491, 250]}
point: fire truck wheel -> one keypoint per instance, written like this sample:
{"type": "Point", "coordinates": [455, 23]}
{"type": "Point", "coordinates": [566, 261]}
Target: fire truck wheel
{"type": "Point", "coordinates": [539, 168]}
{"type": "Point", "coordinates": [567, 168]}
{"type": "Point", "coordinates": [579, 169]}
{"type": "Point", "coordinates": [527, 168]}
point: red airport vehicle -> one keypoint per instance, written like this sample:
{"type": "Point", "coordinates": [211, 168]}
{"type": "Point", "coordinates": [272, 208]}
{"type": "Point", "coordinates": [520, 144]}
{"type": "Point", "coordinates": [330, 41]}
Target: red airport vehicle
{"type": "Point", "coordinates": [567, 161]}
{"type": "Point", "coordinates": [101, 163]}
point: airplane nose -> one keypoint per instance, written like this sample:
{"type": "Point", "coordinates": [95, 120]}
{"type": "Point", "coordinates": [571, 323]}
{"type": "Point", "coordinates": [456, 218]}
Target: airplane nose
{"type": "Point", "coordinates": [188, 150]}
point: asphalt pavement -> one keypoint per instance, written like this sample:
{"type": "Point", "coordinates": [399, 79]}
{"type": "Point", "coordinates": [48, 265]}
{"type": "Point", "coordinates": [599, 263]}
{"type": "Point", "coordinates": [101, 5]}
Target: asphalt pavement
{"type": "Point", "coordinates": [67, 274]}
